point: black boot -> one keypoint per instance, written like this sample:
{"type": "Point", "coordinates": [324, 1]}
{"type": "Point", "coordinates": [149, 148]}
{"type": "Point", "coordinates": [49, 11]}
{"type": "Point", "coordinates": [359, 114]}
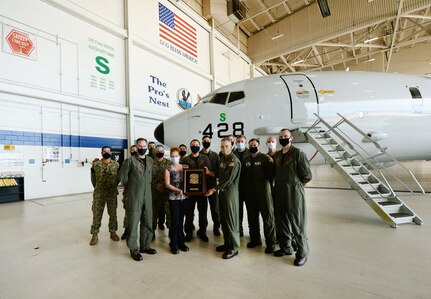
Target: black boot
{"type": "Point", "coordinates": [125, 234]}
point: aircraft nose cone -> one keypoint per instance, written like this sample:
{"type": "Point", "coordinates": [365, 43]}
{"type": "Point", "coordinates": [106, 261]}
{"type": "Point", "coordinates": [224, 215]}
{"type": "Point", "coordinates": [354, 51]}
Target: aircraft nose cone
{"type": "Point", "coordinates": [159, 133]}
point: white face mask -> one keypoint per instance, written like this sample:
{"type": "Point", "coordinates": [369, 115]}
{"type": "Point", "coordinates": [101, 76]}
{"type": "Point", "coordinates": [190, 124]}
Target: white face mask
{"type": "Point", "coordinates": [271, 145]}
{"type": "Point", "coordinates": [175, 160]}
{"type": "Point", "coordinates": [240, 146]}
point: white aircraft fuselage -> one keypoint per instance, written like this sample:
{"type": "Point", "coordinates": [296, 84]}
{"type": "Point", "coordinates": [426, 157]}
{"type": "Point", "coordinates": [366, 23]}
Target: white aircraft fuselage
{"type": "Point", "coordinates": [396, 107]}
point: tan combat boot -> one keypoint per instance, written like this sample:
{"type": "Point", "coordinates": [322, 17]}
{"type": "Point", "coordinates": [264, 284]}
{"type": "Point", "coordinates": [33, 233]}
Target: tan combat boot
{"type": "Point", "coordinates": [94, 240]}
{"type": "Point", "coordinates": [114, 237]}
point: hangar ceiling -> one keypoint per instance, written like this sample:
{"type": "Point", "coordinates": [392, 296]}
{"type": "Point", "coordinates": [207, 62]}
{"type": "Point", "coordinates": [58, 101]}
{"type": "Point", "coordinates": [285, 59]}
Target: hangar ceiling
{"type": "Point", "coordinates": [292, 36]}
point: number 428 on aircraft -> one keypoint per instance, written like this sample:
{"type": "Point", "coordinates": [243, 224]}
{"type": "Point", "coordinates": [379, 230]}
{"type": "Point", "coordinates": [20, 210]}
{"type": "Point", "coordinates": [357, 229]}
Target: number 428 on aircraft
{"type": "Point", "coordinates": [223, 130]}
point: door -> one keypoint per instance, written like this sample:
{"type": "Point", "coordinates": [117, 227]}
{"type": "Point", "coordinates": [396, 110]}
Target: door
{"type": "Point", "coordinates": [303, 98]}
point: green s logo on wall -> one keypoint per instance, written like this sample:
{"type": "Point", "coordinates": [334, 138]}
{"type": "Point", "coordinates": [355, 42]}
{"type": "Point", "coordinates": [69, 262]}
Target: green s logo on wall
{"type": "Point", "coordinates": [102, 67]}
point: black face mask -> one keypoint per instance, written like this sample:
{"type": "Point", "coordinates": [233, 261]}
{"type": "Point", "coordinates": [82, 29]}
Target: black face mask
{"type": "Point", "coordinates": [284, 142]}
{"type": "Point", "coordinates": [195, 149]}
{"type": "Point", "coordinates": [183, 153]}
{"type": "Point", "coordinates": [232, 143]}
{"type": "Point", "coordinates": [106, 155]}
{"type": "Point", "coordinates": [132, 153]}
{"type": "Point", "coordinates": [206, 144]}
{"type": "Point", "coordinates": [142, 151]}
{"type": "Point", "coordinates": [160, 155]}
{"type": "Point", "coordinates": [253, 150]}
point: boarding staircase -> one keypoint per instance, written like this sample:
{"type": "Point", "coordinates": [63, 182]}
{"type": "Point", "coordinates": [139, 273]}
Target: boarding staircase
{"type": "Point", "coordinates": [362, 170]}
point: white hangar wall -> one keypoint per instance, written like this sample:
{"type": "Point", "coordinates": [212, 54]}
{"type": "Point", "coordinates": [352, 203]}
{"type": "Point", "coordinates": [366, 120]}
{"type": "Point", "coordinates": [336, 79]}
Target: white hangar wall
{"type": "Point", "coordinates": [78, 75]}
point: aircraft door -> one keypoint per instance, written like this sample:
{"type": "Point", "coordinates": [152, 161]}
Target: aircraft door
{"type": "Point", "coordinates": [303, 98]}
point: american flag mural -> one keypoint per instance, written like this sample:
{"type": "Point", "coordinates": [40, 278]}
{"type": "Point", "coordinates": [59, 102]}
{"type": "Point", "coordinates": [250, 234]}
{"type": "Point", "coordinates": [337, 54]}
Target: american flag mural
{"type": "Point", "coordinates": [177, 31]}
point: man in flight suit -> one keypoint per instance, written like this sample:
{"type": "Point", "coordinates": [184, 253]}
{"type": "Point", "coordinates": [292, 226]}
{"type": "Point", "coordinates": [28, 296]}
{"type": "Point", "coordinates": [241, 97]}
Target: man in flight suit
{"type": "Point", "coordinates": [136, 174]}
{"type": "Point", "coordinates": [228, 175]}
{"type": "Point", "coordinates": [133, 151]}
{"type": "Point", "coordinates": [292, 172]}
{"type": "Point", "coordinates": [241, 152]}
{"type": "Point", "coordinates": [258, 169]}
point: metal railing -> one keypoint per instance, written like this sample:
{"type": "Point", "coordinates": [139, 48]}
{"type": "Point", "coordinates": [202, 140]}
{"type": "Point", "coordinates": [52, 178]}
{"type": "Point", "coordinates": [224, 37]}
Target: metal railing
{"type": "Point", "coordinates": [369, 159]}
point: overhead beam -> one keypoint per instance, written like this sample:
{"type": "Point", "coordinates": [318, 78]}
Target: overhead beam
{"type": "Point", "coordinates": [287, 64]}
{"type": "Point", "coordinates": [262, 12]}
{"type": "Point", "coordinates": [317, 55]}
{"type": "Point", "coordinates": [342, 45]}
{"type": "Point", "coordinates": [394, 36]}
{"type": "Point", "coordinates": [267, 11]}
{"type": "Point", "coordinates": [352, 40]}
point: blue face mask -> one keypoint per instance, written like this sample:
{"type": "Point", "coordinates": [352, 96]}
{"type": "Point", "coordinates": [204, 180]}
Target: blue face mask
{"type": "Point", "coordinates": [175, 160]}
{"type": "Point", "coordinates": [240, 146]}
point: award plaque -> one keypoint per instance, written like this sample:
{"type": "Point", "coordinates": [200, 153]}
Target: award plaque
{"type": "Point", "coordinates": [194, 182]}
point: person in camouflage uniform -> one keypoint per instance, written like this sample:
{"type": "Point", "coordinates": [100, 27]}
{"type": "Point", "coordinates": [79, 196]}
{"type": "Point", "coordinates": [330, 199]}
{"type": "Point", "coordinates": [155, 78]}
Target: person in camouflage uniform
{"type": "Point", "coordinates": [133, 151]}
{"type": "Point", "coordinates": [160, 196]}
{"type": "Point", "coordinates": [152, 150]}
{"type": "Point", "coordinates": [104, 179]}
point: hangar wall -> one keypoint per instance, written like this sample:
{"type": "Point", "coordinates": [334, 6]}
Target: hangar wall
{"type": "Point", "coordinates": [78, 75]}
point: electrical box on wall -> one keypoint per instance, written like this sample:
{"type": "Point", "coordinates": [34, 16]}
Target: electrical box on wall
{"type": "Point", "coordinates": [235, 10]}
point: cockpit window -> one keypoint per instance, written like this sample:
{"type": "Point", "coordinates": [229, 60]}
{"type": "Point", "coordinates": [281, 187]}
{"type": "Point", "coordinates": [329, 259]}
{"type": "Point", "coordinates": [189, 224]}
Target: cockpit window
{"type": "Point", "coordinates": [218, 98]}
{"type": "Point", "coordinates": [235, 96]}
{"type": "Point", "coordinates": [416, 94]}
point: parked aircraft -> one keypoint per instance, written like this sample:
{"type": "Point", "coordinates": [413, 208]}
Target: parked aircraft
{"type": "Point", "coordinates": [394, 109]}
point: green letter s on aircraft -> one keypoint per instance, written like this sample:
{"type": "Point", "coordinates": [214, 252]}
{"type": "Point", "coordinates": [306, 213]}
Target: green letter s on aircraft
{"type": "Point", "coordinates": [222, 116]}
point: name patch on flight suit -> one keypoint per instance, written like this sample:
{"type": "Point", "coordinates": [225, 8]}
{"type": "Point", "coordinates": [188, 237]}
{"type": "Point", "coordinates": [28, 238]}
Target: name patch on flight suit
{"type": "Point", "coordinates": [231, 164]}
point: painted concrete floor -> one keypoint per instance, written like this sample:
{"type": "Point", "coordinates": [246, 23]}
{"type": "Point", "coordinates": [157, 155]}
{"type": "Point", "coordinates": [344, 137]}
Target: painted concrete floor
{"type": "Point", "coordinates": [44, 253]}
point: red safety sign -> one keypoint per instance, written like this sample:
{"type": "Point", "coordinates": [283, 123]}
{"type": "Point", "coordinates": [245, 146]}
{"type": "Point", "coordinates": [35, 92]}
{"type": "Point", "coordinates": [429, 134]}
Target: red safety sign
{"type": "Point", "coordinates": [20, 42]}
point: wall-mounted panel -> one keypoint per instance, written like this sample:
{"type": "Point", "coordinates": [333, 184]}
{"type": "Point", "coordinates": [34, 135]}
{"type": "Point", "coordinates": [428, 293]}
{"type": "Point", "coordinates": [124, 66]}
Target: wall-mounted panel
{"type": "Point", "coordinates": [162, 87]}
{"type": "Point", "coordinates": [172, 31]}
{"type": "Point", "coordinates": [69, 55]}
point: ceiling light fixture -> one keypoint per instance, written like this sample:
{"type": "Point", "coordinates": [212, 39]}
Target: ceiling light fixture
{"type": "Point", "coordinates": [299, 61]}
{"type": "Point", "coordinates": [371, 39]}
{"type": "Point", "coordinates": [371, 59]}
{"type": "Point", "coordinates": [277, 36]}
{"type": "Point", "coordinates": [324, 8]}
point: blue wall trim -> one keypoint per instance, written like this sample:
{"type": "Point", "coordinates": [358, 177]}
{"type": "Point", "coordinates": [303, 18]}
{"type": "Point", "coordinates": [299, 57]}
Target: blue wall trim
{"type": "Point", "coordinates": [47, 139]}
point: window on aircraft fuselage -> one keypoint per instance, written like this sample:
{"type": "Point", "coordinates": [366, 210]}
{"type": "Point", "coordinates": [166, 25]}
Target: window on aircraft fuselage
{"type": "Point", "coordinates": [219, 98]}
{"type": "Point", "coordinates": [235, 96]}
{"type": "Point", "coordinates": [416, 94]}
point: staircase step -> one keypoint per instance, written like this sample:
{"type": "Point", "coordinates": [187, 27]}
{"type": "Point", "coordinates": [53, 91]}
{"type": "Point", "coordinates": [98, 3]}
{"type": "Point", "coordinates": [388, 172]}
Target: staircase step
{"type": "Point", "coordinates": [389, 203]}
{"type": "Point", "coordinates": [375, 194]}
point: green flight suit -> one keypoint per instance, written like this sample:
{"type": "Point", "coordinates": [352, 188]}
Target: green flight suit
{"type": "Point", "coordinates": [124, 200]}
{"type": "Point", "coordinates": [242, 186]}
{"type": "Point", "coordinates": [211, 182]}
{"type": "Point", "coordinates": [259, 172]}
{"type": "Point", "coordinates": [291, 173]}
{"type": "Point", "coordinates": [228, 175]}
{"type": "Point", "coordinates": [104, 180]}
{"type": "Point", "coordinates": [160, 198]}
{"type": "Point", "coordinates": [136, 176]}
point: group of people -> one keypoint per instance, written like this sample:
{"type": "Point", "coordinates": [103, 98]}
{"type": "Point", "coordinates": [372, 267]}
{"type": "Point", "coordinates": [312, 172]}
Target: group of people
{"type": "Point", "coordinates": [269, 184]}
